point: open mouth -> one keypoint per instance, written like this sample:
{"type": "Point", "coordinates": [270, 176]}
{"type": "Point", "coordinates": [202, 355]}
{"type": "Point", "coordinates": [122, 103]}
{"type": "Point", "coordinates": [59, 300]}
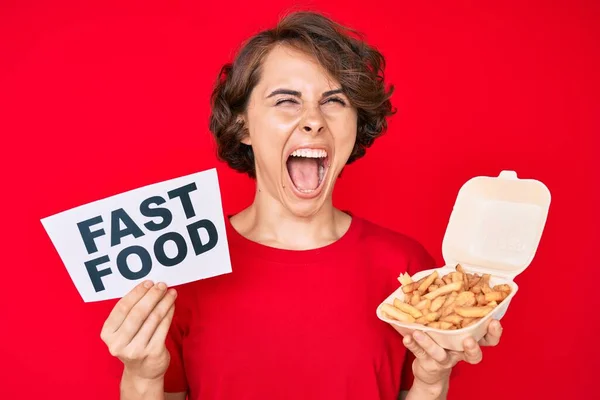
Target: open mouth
{"type": "Point", "coordinates": [307, 169]}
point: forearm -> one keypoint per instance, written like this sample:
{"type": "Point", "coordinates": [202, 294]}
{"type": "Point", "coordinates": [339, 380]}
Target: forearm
{"type": "Point", "coordinates": [423, 391]}
{"type": "Point", "coordinates": [135, 388]}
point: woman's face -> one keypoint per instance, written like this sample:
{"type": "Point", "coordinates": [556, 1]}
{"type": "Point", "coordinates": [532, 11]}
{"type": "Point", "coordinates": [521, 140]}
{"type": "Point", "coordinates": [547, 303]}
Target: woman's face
{"type": "Point", "coordinates": [302, 130]}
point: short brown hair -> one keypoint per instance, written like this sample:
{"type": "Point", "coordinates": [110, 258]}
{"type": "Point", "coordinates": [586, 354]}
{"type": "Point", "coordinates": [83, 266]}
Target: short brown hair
{"type": "Point", "coordinates": [358, 67]}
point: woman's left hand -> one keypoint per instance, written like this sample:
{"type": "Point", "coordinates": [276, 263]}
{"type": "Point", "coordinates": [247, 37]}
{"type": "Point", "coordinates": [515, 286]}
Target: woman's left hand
{"type": "Point", "coordinates": [433, 363]}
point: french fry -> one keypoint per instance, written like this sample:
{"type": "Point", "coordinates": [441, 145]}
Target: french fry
{"type": "Point", "coordinates": [422, 320]}
{"type": "Point", "coordinates": [435, 325]}
{"type": "Point", "coordinates": [405, 279]}
{"type": "Point", "coordinates": [473, 312]}
{"type": "Point", "coordinates": [492, 304]}
{"type": "Point", "coordinates": [449, 304]}
{"type": "Point", "coordinates": [428, 281]}
{"type": "Point", "coordinates": [425, 311]}
{"type": "Point", "coordinates": [494, 296]}
{"type": "Point", "coordinates": [416, 298]}
{"type": "Point", "coordinates": [432, 288]}
{"type": "Point", "coordinates": [408, 288]}
{"type": "Point", "coordinates": [477, 287]}
{"type": "Point", "coordinates": [432, 316]}
{"type": "Point", "coordinates": [450, 298]}
{"type": "Point", "coordinates": [466, 321]}
{"type": "Point", "coordinates": [437, 303]}
{"type": "Point", "coordinates": [474, 321]}
{"type": "Point", "coordinates": [481, 299]}
{"type": "Point", "coordinates": [447, 279]}
{"type": "Point", "coordinates": [445, 325]}
{"type": "Point", "coordinates": [449, 309]}
{"type": "Point", "coordinates": [408, 297]}
{"type": "Point", "coordinates": [423, 304]}
{"type": "Point", "coordinates": [485, 289]}
{"type": "Point", "coordinates": [464, 277]}
{"type": "Point", "coordinates": [396, 314]}
{"type": "Point", "coordinates": [444, 290]}
{"type": "Point", "coordinates": [449, 301]}
{"type": "Point", "coordinates": [407, 309]}
{"type": "Point", "coordinates": [466, 299]}
{"type": "Point", "coordinates": [452, 318]}
{"type": "Point", "coordinates": [438, 282]}
{"type": "Point", "coordinates": [502, 288]}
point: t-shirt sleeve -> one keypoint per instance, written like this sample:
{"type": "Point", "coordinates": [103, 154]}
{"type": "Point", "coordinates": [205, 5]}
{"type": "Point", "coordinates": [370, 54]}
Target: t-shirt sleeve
{"type": "Point", "coordinates": [175, 378]}
{"type": "Point", "coordinates": [421, 261]}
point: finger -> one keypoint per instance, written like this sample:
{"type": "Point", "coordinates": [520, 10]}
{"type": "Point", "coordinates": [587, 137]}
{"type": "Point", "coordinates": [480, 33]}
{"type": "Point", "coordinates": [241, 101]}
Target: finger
{"type": "Point", "coordinates": [455, 356]}
{"type": "Point", "coordinates": [124, 306]}
{"type": "Point", "coordinates": [492, 338]}
{"type": "Point", "coordinates": [414, 348]}
{"type": "Point", "coordinates": [160, 335]}
{"type": "Point", "coordinates": [138, 314]}
{"type": "Point", "coordinates": [143, 336]}
{"type": "Point", "coordinates": [431, 348]}
{"type": "Point", "coordinates": [472, 351]}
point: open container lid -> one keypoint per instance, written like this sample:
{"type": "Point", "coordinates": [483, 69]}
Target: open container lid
{"type": "Point", "coordinates": [496, 224]}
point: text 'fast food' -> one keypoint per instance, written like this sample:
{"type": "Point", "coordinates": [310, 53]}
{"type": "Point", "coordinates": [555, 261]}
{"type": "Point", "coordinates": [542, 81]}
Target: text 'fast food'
{"type": "Point", "coordinates": [453, 301]}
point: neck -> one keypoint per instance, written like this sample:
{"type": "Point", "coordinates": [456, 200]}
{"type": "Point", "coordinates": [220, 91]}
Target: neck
{"type": "Point", "coordinates": [268, 222]}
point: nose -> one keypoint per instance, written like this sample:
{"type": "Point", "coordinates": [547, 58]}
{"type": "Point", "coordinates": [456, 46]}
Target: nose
{"type": "Point", "coordinates": [310, 128]}
{"type": "Point", "coordinates": [312, 123]}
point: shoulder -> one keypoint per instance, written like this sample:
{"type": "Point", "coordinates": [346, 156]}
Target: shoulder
{"type": "Point", "coordinates": [381, 242]}
{"type": "Point", "coordinates": [378, 234]}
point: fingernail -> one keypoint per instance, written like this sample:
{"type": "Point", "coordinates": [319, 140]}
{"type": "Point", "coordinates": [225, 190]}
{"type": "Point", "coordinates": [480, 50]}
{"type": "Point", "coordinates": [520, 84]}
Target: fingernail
{"type": "Point", "coordinates": [173, 292]}
{"type": "Point", "coordinates": [418, 336]}
{"type": "Point", "coordinates": [497, 326]}
{"type": "Point", "coordinates": [148, 284]}
{"type": "Point", "coordinates": [162, 286]}
{"type": "Point", "coordinates": [407, 340]}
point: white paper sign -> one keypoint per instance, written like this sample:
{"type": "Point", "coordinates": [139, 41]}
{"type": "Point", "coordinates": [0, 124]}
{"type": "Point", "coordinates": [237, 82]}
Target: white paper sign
{"type": "Point", "coordinates": [172, 232]}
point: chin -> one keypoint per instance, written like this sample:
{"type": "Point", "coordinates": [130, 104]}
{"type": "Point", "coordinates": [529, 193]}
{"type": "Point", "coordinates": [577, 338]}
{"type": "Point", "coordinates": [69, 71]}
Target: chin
{"type": "Point", "coordinates": [305, 208]}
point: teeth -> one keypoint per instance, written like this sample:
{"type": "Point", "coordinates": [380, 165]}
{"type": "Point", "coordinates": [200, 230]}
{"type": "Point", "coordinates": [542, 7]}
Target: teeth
{"type": "Point", "coordinates": [310, 153]}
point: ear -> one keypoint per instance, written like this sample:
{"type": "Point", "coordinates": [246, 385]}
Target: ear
{"type": "Point", "coordinates": [246, 138]}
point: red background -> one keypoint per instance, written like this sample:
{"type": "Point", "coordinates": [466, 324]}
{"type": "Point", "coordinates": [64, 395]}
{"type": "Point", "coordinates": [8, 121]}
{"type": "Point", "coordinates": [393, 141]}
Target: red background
{"type": "Point", "coordinates": [99, 99]}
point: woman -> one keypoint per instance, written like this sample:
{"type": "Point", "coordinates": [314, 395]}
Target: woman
{"type": "Point", "coordinates": [296, 318]}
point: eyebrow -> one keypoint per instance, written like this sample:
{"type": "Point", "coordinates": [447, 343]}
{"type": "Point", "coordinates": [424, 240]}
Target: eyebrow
{"type": "Point", "coordinates": [298, 94]}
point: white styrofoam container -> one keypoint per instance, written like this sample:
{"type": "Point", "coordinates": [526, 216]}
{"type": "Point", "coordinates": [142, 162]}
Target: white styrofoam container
{"type": "Point", "coordinates": [495, 228]}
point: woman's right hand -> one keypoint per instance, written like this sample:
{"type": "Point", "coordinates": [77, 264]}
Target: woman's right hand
{"type": "Point", "coordinates": [137, 327]}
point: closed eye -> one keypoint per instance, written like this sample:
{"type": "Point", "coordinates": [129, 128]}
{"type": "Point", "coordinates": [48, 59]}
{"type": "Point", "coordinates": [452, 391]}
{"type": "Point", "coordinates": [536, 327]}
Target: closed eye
{"type": "Point", "coordinates": [280, 101]}
{"type": "Point", "coordinates": [335, 99]}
